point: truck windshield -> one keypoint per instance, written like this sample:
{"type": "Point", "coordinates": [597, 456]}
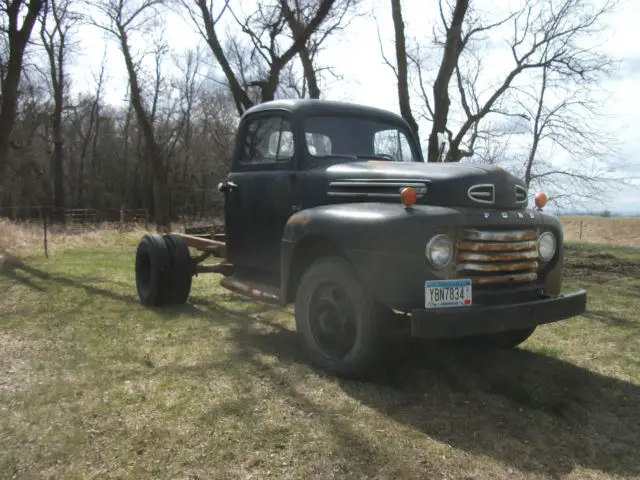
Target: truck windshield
{"type": "Point", "coordinates": [360, 138]}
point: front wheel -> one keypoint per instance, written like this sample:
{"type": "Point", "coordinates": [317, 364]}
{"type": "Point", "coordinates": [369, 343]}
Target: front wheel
{"type": "Point", "coordinates": [338, 321]}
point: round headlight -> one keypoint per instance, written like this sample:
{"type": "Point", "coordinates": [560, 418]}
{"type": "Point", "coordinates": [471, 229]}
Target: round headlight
{"type": "Point", "coordinates": [546, 246]}
{"type": "Point", "coordinates": [439, 251]}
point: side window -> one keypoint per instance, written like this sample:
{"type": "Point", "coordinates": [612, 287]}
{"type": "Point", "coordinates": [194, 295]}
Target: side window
{"type": "Point", "coordinates": [267, 140]}
{"type": "Point", "coordinates": [405, 148]}
{"type": "Point", "coordinates": [318, 144]}
{"type": "Point", "coordinates": [392, 143]}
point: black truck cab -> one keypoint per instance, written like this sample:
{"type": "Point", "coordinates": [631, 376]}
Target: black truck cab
{"type": "Point", "coordinates": [282, 164]}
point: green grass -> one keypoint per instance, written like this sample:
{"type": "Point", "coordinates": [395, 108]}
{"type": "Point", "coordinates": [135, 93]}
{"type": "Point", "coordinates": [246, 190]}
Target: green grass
{"type": "Point", "coordinates": [94, 385]}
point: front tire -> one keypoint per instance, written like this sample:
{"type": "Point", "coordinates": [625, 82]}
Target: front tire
{"type": "Point", "coordinates": [338, 321]}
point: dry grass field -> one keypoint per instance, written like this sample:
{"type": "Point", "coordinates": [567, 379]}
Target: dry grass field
{"type": "Point", "coordinates": [604, 230]}
{"type": "Point", "coordinates": [93, 385]}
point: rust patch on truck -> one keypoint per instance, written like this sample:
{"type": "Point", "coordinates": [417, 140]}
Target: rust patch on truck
{"type": "Point", "coordinates": [502, 279]}
{"type": "Point", "coordinates": [298, 219]}
{"type": "Point", "coordinates": [497, 246]}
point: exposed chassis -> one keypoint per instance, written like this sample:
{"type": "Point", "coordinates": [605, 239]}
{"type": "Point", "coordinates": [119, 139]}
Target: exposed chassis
{"type": "Point", "coordinates": [216, 247]}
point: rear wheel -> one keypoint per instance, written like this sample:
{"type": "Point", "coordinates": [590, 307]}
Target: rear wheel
{"type": "Point", "coordinates": [179, 285]}
{"type": "Point", "coordinates": [337, 320]}
{"type": "Point", "coordinates": [153, 270]}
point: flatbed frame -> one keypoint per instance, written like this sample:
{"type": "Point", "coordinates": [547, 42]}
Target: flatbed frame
{"type": "Point", "coordinates": [212, 244]}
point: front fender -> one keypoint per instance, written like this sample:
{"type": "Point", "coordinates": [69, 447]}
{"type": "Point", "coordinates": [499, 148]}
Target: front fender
{"type": "Point", "coordinates": [385, 243]}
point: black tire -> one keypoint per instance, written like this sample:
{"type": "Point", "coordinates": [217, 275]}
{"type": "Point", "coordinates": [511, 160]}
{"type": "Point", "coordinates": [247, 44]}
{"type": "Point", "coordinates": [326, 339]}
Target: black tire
{"type": "Point", "coordinates": [153, 270]}
{"type": "Point", "coordinates": [503, 340]}
{"type": "Point", "coordinates": [179, 285]}
{"type": "Point", "coordinates": [331, 286]}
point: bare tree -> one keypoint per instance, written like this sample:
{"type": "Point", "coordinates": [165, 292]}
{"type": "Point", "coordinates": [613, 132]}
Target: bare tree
{"type": "Point", "coordinates": [122, 18]}
{"type": "Point", "coordinates": [565, 118]}
{"type": "Point", "coordinates": [18, 37]}
{"type": "Point", "coordinates": [300, 15]}
{"type": "Point", "coordinates": [546, 36]}
{"type": "Point", "coordinates": [55, 24]}
{"type": "Point", "coordinates": [551, 35]}
{"type": "Point", "coordinates": [256, 67]}
{"type": "Point", "coordinates": [189, 88]}
{"type": "Point", "coordinates": [92, 133]}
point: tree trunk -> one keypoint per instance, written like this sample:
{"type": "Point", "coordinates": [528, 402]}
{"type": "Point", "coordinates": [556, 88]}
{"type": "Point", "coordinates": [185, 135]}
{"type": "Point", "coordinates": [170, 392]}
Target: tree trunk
{"type": "Point", "coordinates": [452, 49]}
{"type": "Point", "coordinates": [309, 73]}
{"type": "Point", "coordinates": [155, 159]}
{"type": "Point", "coordinates": [401, 59]}
{"type": "Point", "coordinates": [18, 39]}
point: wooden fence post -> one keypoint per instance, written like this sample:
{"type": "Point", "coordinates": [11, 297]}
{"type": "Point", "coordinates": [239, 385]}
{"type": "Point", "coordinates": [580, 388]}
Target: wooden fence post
{"type": "Point", "coordinates": [580, 229]}
{"type": "Point", "coordinates": [46, 251]}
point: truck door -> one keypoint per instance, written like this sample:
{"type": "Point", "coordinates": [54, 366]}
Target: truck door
{"type": "Point", "coordinates": [260, 191]}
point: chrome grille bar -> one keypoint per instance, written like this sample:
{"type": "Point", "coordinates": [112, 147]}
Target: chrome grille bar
{"type": "Point", "coordinates": [499, 235]}
{"type": "Point", "coordinates": [497, 267]}
{"type": "Point", "coordinates": [497, 246]}
{"type": "Point", "coordinates": [491, 257]}
{"type": "Point", "coordinates": [497, 257]}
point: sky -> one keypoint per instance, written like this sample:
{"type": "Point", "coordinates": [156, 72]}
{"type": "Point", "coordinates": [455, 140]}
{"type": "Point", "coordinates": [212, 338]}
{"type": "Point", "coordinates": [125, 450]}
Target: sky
{"type": "Point", "coordinates": [355, 55]}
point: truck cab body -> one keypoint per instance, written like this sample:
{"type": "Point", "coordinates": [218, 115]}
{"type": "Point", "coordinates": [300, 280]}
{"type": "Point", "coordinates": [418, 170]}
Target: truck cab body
{"type": "Point", "coordinates": [331, 206]}
{"type": "Point", "coordinates": [282, 163]}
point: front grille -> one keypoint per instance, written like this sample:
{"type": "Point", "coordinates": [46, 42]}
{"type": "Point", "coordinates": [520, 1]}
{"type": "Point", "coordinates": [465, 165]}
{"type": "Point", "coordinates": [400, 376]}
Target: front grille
{"type": "Point", "coordinates": [521, 194]}
{"type": "Point", "coordinates": [497, 257]}
{"type": "Point", "coordinates": [483, 193]}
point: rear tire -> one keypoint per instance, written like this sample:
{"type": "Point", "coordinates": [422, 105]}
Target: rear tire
{"type": "Point", "coordinates": [338, 321]}
{"type": "Point", "coordinates": [179, 285]}
{"type": "Point", "coordinates": [153, 270]}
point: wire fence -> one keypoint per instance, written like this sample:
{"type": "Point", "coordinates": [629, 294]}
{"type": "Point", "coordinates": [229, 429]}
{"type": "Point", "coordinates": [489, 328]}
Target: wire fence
{"type": "Point", "coordinates": [46, 222]}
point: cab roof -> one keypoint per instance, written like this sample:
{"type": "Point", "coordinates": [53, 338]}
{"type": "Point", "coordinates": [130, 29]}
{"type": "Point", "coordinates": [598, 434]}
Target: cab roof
{"type": "Point", "coordinates": [313, 107]}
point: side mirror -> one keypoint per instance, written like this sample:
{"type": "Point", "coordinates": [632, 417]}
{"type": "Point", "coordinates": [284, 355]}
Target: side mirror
{"type": "Point", "coordinates": [226, 186]}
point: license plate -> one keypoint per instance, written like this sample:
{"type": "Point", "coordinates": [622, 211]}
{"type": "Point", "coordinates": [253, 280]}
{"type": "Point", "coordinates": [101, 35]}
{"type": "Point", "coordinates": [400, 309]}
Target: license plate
{"type": "Point", "coordinates": [447, 293]}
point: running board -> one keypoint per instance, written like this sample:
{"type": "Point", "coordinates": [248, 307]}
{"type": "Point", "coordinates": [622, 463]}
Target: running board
{"type": "Point", "coordinates": [256, 291]}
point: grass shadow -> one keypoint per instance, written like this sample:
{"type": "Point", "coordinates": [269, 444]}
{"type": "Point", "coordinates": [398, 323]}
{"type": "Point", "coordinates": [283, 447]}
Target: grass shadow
{"type": "Point", "coordinates": [20, 273]}
{"type": "Point", "coordinates": [612, 319]}
{"type": "Point", "coordinates": [534, 412]}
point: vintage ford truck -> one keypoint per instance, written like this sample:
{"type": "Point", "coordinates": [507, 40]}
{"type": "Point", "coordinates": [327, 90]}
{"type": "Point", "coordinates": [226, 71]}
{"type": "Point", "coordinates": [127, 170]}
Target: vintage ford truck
{"type": "Point", "coordinates": [330, 206]}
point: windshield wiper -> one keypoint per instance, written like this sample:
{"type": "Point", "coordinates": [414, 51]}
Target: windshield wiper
{"type": "Point", "coordinates": [387, 158]}
{"type": "Point", "coordinates": [356, 156]}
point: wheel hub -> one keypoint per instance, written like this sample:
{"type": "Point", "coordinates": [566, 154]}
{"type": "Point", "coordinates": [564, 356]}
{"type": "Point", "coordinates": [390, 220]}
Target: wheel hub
{"type": "Point", "coordinates": [333, 320]}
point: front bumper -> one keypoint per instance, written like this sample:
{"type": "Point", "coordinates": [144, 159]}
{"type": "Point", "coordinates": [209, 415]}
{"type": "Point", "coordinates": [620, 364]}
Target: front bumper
{"type": "Point", "coordinates": [479, 320]}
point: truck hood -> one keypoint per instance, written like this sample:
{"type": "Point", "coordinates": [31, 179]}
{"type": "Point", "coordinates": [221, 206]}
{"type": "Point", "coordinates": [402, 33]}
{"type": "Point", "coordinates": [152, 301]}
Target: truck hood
{"type": "Point", "coordinates": [444, 184]}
